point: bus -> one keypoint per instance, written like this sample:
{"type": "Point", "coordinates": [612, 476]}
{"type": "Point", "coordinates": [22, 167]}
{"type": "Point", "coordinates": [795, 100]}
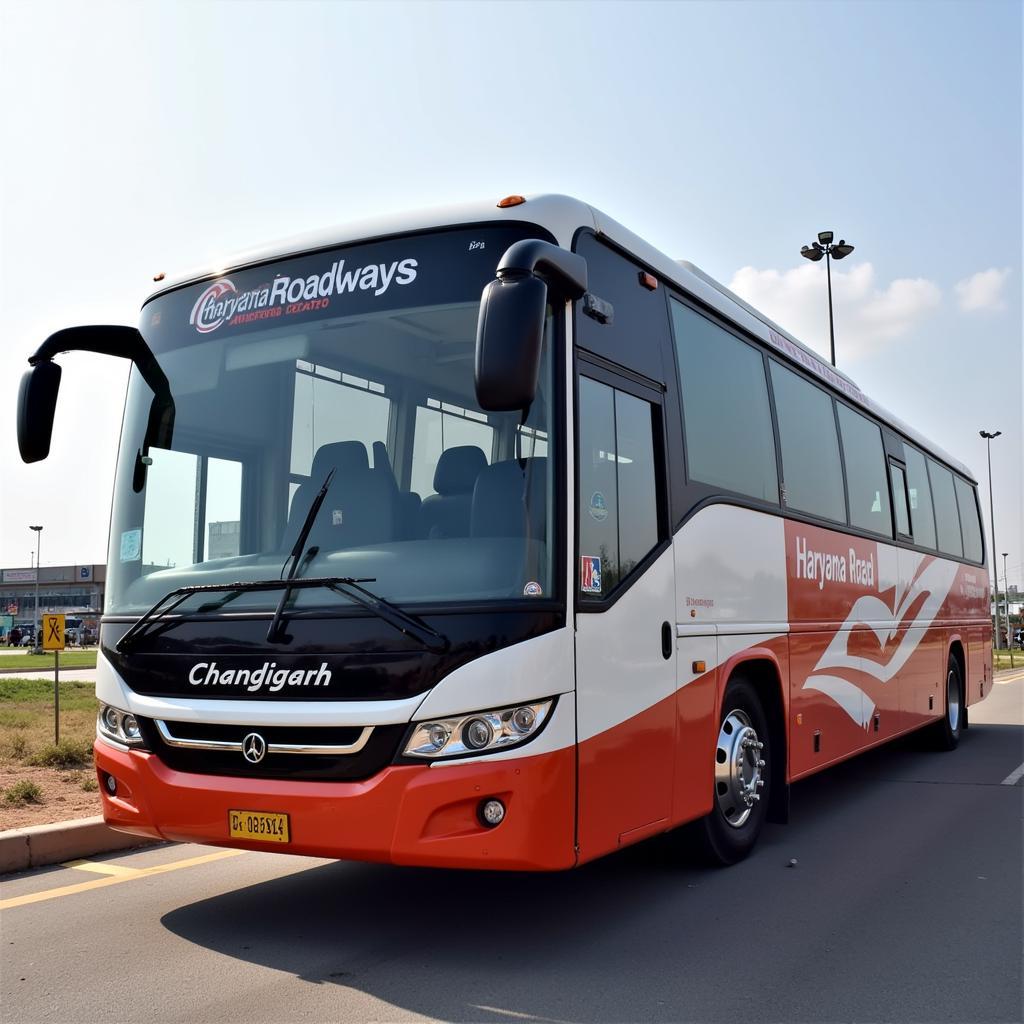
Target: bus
{"type": "Point", "coordinates": [491, 537]}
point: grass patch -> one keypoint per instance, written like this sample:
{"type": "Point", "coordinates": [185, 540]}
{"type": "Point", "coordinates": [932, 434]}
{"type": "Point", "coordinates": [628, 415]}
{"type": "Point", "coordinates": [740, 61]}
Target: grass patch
{"type": "Point", "coordinates": [26, 723]}
{"type": "Point", "coordinates": [20, 696]}
{"type": "Point", "coordinates": [89, 784]}
{"type": "Point", "coordinates": [44, 662]}
{"type": "Point", "coordinates": [69, 753]}
{"type": "Point", "coordinates": [23, 792]}
{"type": "Point", "coordinates": [1001, 660]}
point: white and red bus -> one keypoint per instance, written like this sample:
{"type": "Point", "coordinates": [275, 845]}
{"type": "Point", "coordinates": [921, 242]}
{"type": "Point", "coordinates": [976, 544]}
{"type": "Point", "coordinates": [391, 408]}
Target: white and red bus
{"type": "Point", "coordinates": [492, 537]}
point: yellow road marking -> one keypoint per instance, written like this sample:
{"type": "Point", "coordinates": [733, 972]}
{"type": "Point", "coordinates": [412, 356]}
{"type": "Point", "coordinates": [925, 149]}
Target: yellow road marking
{"type": "Point", "coordinates": [100, 869]}
{"type": "Point", "coordinates": [1010, 679]}
{"type": "Point", "coordinates": [99, 883]}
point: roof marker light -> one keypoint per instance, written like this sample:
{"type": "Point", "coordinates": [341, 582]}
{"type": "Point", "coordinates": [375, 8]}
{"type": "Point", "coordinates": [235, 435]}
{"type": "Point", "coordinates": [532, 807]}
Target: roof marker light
{"type": "Point", "coordinates": [159, 277]}
{"type": "Point", "coordinates": [510, 201]}
{"type": "Point", "coordinates": [648, 280]}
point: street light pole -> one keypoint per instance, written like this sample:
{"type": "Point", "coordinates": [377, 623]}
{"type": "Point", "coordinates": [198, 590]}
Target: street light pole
{"type": "Point", "coordinates": [839, 250]}
{"type": "Point", "coordinates": [831, 325]}
{"type": "Point", "coordinates": [39, 534]}
{"type": "Point", "coordinates": [992, 521]}
{"type": "Point", "coordinates": [1006, 594]}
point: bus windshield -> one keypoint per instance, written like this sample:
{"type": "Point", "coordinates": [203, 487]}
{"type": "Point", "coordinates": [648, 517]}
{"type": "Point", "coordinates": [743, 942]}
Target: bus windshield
{"type": "Point", "coordinates": [352, 365]}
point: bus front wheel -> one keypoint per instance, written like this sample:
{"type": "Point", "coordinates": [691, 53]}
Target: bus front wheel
{"type": "Point", "coordinates": [742, 786]}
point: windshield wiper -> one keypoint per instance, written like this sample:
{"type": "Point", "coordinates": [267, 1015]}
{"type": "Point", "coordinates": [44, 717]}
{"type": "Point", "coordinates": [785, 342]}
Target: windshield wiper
{"type": "Point", "coordinates": [394, 615]}
{"type": "Point", "coordinates": [348, 586]}
{"type": "Point", "coordinates": [273, 634]}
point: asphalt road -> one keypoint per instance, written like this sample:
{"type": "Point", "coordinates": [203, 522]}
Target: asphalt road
{"type": "Point", "coordinates": [905, 905]}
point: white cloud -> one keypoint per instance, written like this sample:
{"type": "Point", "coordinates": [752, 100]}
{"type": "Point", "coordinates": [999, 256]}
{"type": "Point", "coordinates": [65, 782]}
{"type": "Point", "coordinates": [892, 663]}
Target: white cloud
{"type": "Point", "coordinates": [983, 290]}
{"type": "Point", "coordinates": [867, 315]}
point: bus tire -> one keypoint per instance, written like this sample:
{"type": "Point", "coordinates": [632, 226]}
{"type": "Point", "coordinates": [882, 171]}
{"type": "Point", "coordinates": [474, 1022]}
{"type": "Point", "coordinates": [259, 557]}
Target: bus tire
{"type": "Point", "coordinates": [947, 731]}
{"type": "Point", "coordinates": [742, 785]}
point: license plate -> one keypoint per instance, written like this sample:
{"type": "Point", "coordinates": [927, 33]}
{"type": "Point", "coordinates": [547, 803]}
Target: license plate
{"type": "Point", "coordinates": [261, 825]}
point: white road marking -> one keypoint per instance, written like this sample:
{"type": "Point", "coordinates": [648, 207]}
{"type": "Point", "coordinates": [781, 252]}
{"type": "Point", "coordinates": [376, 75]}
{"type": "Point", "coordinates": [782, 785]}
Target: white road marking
{"type": "Point", "coordinates": [1015, 776]}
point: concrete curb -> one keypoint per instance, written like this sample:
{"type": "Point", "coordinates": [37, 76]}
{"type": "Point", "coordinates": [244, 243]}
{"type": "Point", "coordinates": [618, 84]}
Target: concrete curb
{"type": "Point", "coordinates": [32, 847]}
{"type": "Point", "coordinates": [34, 673]}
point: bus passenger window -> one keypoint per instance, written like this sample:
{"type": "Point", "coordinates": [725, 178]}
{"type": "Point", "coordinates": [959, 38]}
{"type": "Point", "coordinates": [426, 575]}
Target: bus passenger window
{"type": "Point", "coordinates": [864, 458]}
{"type": "Point", "coordinates": [919, 491]}
{"type": "Point", "coordinates": [811, 473]}
{"type": "Point", "coordinates": [946, 518]}
{"type": "Point", "coordinates": [729, 438]}
{"type": "Point", "coordinates": [970, 525]}
{"type": "Point", "coordinates": [618, 493]}
{"type": "Point", "coordinates": [899, 497]}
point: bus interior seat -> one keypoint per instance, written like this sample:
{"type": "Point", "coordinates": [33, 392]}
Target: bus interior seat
{"type": "Point", "coordinates": [360, 508]}
{"type": "Point", "coordinates": [447, 513]}
{"type": "Point", "coordinates": [499, 507]}
{"type": "Point", "coordinates": [408, 502]}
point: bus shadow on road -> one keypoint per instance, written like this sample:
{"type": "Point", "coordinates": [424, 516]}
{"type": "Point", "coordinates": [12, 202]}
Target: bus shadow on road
{"type": "Point", "coordinates": [639, 935]}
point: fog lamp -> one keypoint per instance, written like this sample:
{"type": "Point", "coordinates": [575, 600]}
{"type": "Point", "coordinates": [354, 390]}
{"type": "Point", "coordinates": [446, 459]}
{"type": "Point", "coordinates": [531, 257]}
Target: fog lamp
{"type": "Point", "coordinates": [492, 813]}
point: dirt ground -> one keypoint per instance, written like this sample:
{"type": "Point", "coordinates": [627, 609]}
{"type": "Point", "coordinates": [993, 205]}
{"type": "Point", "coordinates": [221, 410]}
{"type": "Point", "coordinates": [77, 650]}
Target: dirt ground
{"type": "Point", "coordinates": [26, 735]}
{"type": "Point", "coordinates": [63, 796]}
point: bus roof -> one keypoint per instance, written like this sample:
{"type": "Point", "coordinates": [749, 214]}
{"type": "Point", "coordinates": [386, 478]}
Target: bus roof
{"type": "Point", "coordinates": [563, 217]}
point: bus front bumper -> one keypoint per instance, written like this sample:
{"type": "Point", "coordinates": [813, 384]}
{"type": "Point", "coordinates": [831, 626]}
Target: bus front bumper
{"type": "Point", "coordinates": [405, 814]}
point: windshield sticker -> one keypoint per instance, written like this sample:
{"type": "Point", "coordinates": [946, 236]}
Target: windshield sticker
{"type": "Point", "coordinates": [533, 589]}
{"type": "Point", "coordinates": [590, 574]}
{"type": "Point", "coordinates": [598, 507]}
{"type": "Point", "coordinates": [222, 303]}
{"type": "Point", "coordinates": [337, 517]}
{"type": "Point", "coordinates": [131, 545]}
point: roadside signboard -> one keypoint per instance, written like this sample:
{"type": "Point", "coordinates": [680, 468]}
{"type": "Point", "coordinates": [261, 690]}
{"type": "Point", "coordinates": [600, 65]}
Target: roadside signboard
{"type": "Point", "coordinates": [53, 632]}
{"type": "Point", "coordinates": [53, 640]}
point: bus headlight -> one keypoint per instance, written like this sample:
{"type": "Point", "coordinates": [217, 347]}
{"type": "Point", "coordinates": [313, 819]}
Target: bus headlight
{"type": "Point", "coordinates": [481, 732]}
{"type": "Point", "coordinates": [119, 727]}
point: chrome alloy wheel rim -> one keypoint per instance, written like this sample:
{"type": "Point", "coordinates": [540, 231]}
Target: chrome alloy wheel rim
{"type": "Point", "coordinates": [953, 700]}
{"type": "Point", "coordinates": [739, 768]}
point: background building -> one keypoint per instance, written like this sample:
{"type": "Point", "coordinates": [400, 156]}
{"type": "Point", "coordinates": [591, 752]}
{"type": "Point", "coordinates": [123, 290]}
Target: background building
{"type": "Point", "coordinates": [75, 590]}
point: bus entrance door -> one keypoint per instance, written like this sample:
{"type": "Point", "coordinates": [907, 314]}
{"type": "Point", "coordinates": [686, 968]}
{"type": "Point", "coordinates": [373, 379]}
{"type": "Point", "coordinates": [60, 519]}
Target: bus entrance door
{"type": "Point", "coordinates": [625, 622]}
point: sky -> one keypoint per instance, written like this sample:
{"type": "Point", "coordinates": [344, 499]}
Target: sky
{"type": "Point", "coordinates": [142, 138]}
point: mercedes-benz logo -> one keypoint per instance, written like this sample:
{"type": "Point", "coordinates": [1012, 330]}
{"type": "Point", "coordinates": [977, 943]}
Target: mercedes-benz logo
{"type": "Point", "coordinates": [254, 747]}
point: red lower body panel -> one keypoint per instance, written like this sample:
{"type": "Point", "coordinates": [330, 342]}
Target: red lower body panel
{"type": "Point", "coordinates": [409, 814]}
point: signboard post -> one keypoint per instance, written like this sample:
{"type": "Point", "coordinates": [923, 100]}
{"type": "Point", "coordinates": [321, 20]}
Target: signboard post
{"type": "Point", "coordinates": [53, 640]}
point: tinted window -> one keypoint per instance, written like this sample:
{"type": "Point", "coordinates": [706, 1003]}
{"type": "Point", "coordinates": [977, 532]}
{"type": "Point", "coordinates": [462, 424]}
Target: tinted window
{"type": "Point", "coordinates": [866, 485]}
{"type": "Point", "coordinates": [969, 524]}
{"type": "Point", "coordinates": [599, 494]}
{"type": "Point", "coordinates": [639, 327]}
{"type": "Point", "coordinates": [899, 498]}
{"type": "Point", "coordinates": [618, 516]}
{"type": "Point", "coordinates": [638, 508]}
{"type": "Point", "coordinates": [922, 518]}
{"type": "Point", "coordinates": [811, 473]}
{"type": "Point", "coordinates": [946, 519]}
{"type": "Point", "coordinates": [729, 437]}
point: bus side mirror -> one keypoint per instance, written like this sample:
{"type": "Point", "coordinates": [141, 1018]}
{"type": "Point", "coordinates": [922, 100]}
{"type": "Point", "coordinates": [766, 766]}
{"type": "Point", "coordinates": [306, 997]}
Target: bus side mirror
{"type": "Point", "coordinates": [510, 329]}
{"type": "Point", "coordinates": [37, 397]}
{"type": "Point", "coordinates": [37, 401]}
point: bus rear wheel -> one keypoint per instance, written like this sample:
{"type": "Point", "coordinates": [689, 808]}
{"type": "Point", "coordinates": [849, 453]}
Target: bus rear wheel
{"type": "Point", "coordinates": [946, 732]}
{"type": "Point", "coordinates": [742, 777]}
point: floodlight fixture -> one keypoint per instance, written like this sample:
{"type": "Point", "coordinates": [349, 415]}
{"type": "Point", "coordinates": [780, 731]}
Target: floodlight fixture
{"type": "Point", "coordinates": [824, 246]}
